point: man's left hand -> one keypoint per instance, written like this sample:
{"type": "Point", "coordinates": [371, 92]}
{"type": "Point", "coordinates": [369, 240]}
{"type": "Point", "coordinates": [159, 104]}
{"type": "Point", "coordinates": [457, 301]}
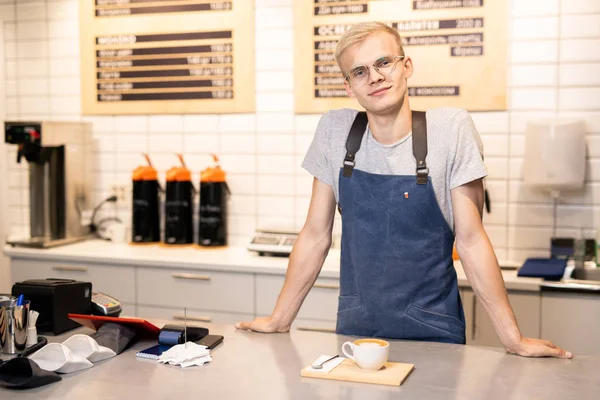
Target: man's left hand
{"type": "Point", "coordinates": [529, 347]}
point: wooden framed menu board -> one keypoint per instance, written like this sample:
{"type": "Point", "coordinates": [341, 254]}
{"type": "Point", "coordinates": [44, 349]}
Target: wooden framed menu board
{"type": "Point", "coordinates": [167, 56]}
{"type": "Point", "coordinates": [458, 48]}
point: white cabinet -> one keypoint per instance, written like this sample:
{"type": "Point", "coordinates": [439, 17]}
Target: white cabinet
{"type": "Point", "coordinates": [320, 304]}
{"type": "Point", "coordinates": [128, 310]}
{"type": "Point", "coordinates": [194, 317]}
{"type": "Point", "coordinates": [197, 289]}
{"type": "Point", "coordinates": [572, 321]}
{"type": "Point", "coordinates": [303, 324]}
{"type": "Point", "coordinates": [480, 330]}
{"type": "Point", "coordinates": [115, 280]}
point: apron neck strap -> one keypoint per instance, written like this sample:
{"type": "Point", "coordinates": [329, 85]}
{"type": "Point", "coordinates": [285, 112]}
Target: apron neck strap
{"type": "Point", "coordinates": [359, 126]}
{"type": "Point", "coordinates": [419, 139]}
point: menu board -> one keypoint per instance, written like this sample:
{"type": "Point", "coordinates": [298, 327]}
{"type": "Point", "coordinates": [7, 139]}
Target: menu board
{"type": "Point", "coordinates": [458, 49]}
{"type": "Point", "coordinates": [167, 56]}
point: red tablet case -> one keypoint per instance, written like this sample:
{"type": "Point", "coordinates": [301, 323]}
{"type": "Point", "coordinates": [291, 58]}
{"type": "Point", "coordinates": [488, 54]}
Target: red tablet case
{"type": "Point", "coordinates": [142, 326]}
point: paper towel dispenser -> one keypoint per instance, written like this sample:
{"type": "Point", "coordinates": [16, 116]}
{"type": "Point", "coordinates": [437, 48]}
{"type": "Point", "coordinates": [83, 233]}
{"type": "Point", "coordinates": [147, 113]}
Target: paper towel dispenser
{"type": "Point", "coordinates": [555, 154]}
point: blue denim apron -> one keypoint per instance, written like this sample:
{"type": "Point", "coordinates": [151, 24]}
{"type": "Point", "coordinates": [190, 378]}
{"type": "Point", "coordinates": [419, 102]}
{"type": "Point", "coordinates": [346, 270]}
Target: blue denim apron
{"type": "Point", "coordinates": [397, 278]}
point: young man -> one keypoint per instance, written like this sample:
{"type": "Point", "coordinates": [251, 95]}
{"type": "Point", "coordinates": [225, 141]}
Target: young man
{"type": "Point", "coordinates": [401, 211]}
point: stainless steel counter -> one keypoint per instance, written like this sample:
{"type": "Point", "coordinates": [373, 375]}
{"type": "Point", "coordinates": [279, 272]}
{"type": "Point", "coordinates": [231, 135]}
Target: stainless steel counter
{"type": "Point", "coordinates": [251, 366]}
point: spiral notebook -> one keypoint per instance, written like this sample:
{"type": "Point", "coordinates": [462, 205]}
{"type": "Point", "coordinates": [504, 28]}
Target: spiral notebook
{"type": "Point", "coordinates": [153, 352]}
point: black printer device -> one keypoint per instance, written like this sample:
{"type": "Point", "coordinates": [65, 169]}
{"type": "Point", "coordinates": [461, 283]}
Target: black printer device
{"type": "Point", "coordinates": [54, 299]}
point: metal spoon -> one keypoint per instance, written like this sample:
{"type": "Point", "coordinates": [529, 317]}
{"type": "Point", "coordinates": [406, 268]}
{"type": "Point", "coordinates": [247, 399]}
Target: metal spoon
{"type": "Point", "coordinates": [320, 365]}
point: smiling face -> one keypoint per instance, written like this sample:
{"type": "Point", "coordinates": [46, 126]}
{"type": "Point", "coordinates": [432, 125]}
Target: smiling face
{"type": "Point", "coordinates": [376, 74]}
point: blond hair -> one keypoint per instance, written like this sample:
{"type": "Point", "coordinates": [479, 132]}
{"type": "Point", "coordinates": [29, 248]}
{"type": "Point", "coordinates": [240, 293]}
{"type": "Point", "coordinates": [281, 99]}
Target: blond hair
{"type": "Point", "coordinates": [359, 32]}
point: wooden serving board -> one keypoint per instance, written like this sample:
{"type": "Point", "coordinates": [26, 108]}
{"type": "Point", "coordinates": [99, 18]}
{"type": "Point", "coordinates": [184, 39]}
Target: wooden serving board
{"type": "Point", "coordinates": [392, 373]}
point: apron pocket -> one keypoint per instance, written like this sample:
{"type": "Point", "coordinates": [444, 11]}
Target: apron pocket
{"type": "Point", "coordinates": [448, 324]}
{"type": "Point", "coordinates": [352, 318]}
{"type": "Point", "coordinates": [348, 303]}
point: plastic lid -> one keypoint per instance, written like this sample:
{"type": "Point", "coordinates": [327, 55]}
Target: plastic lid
{"type": "Point", "coordinates": [145, 172]}
{"type": "Point", "coordinates": [214, 173]}
{"type": "Point", "coordinates": [179, 174]}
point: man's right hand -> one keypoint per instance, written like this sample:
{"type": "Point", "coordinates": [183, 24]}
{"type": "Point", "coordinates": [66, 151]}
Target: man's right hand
{"type": "Point", "coordinates": [263, 325]}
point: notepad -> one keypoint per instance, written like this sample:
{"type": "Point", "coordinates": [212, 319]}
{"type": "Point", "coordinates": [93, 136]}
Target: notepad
{"type": "Point", "coordinates": [153, 352]}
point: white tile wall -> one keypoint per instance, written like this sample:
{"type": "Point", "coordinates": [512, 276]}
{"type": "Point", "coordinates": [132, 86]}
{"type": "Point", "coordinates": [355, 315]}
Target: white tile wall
{"type": "Point", "coordinates": [63, 10]}
{"type": "Point", "coordinates": [533, 99]}
{"type": "Point", "coordinates": [275, 122]}
{"type": "Point", "coordinates": [165, 123]}
{"type": "Point", "coordinates": [580, 50]}
{"type": "Point", "coordinates": [274, 17]}
{"type": "Point", "coordinates": [518, 119]}
{"type": "Point", "coordinates": [554, 70]}
{"type": "Point", "coordinates": [573, 99]}
{"type": "Point", "coordinates": [274, 143]}
{"type": "Point", "coordinates": [274, 39]}
{"type": "Point", "coordinates": [165, 143]}
{"type": "Point", "coordinates": [533, 75]}
{"type": "Point", "coordinates": [535, 8]}
{"type": "Point", "coordinates": [534, 51]}
{"type": "Point", "coordinates": [275, 185]}
{"type": "Point", "coordinates": [32, 49]}
{"type": "Point", "coordinates": [535, 28]}
{"type": "Point", "coordinates": [580, 26]}
{"type": "Point", "coordinates": [580, 74]}
{"type": "Point", "coordinates": [580, 6]}
{"type": "Point", "coordinates": [495, 145]}
{"type": "Point", "coordinates": [200, 123]}
{"type": "Point", "coordinates": [201, 142]}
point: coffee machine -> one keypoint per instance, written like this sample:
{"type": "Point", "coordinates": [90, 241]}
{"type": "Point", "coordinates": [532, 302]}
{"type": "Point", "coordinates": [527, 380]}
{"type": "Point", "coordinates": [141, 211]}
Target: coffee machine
{"type": "Point", "coordinates": [59, 155]}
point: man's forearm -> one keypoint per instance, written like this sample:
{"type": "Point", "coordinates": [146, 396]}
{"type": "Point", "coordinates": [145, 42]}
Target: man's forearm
{"type": "Point", "coordinates": [304, 266]}
{"type": "Point", "coordinates": [482, 270]}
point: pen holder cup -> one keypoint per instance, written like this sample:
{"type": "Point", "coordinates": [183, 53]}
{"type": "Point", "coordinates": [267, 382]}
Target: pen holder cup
{"type": "Point", "coordinates": [13, 327]}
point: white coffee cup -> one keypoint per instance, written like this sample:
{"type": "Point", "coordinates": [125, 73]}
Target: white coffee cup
{"type": "Point", "coordinates": [369, 354]}
{"type": "Point", "coordinates": [117, 232]}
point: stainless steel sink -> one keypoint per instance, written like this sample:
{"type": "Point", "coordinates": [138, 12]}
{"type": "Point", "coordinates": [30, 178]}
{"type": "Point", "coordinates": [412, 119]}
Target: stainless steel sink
{"type": "Point", "coordinates": [582, 280]}
{"type": "Point", "coordinates": [587, 274]}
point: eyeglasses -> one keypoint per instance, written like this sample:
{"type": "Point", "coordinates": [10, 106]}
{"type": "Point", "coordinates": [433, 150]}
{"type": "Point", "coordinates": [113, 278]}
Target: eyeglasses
{"type": "Point", "coordinates": [385, 66]}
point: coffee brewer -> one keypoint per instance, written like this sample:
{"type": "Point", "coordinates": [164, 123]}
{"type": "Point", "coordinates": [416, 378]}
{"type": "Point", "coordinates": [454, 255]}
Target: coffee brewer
{"type": "Point", "coordinates": [179, 205]}
{"type": "Point", "coordinates": [60, 179]}
{"type": "Point", "coordinates": [145, 223]}
{"type": "Point", "coordinates": [212, 227]}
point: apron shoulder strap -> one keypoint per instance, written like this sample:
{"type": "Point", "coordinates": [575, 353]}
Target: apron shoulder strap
{"type": "Point", "coordinates": [419, 140]}
{"type": "Point", "coordinates": [353, 142]}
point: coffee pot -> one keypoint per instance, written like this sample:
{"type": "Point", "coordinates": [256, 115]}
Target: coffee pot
{"type": "Point", "coordinates": [180, 191]}
{"type": "Point", "coordinates": [145, 227]}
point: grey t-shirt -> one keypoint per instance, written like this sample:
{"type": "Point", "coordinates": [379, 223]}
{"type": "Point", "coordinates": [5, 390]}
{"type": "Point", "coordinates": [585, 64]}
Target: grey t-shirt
{"type": "Point", "coordinates": [454, 155]}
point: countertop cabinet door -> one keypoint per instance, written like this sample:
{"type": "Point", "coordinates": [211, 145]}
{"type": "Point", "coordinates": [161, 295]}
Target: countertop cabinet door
{"type": "Point", "coordinates": [301, 324]}
{"type": "Point", "coordinates": [480, 330]}
{"type": "Point", "coordinates": [194, 316]}
{"type": "Point", "coordinates": [320, 304]}
{"type": "Point", "coordinates": [572, 321]}
{"type": "Point", "coordinates": [196, 289]}
{"type": "Point", "coordinates": [114, 280]}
